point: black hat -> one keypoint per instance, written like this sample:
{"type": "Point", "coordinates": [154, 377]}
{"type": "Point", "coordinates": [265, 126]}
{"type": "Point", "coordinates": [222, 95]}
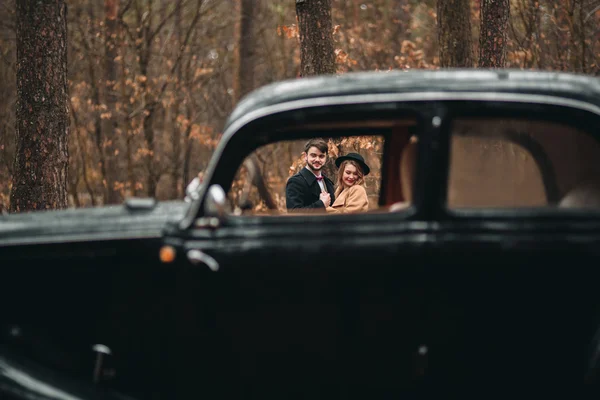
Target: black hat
{"type": "Point", "coordinates": [354, 157]}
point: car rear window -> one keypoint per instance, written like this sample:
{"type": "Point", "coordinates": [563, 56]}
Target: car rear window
{"type": "Point", "coordinates": [504, 163]}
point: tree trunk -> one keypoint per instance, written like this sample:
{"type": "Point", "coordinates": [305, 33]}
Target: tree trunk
{"type": "Point", "coordinates": [582, 38]}
{"type": "Point", "coordinates": [492, 37]}
{"type": "Point", "coordinates": [188, 143]}
{"type": "Point", "coordinates": [454, 33]}
{"type": "Point", "coordinates": [244, 76]}
{"type": "Point", "coordinates": [109, 125]}
{"type": "Point", "coordinates": [82, 154]}
{"type": "Point", "coordinates": [148, 123]}
{"type": "Point", "coordinates": [148, 129]}
{"type": "Point", "coordinates": [316, 46]}
{"type": "Point", "coordinates": [42, 159]}
{"type": "Point", "coordinates": [402, 19]}
{"type": "Point", "coordinates": [244, 81]}
{"type": "Point", "coordinates": [90, 55]}
{"type": "Point", "coordinates": [187, 156]}
{"type": "Point", "coordinates": [98, 138]}
{"type": "Point", "coordinates": [316, 37]}
{"type": "Point", "coordinates": [175, 172]}
{"type": "Point", "coordinates": [329, 169]}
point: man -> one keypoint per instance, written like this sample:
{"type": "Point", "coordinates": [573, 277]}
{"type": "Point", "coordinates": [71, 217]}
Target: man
{"type": "Point", "coordinates": [309, 189]}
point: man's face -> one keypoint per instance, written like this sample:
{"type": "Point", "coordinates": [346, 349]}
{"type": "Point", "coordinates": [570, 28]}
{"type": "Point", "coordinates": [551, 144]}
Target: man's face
{"type": "Point", "coordinates": [315, 159]}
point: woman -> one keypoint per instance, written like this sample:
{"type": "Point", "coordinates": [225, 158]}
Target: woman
{"type": "Point", "coordinates": [350, 193]}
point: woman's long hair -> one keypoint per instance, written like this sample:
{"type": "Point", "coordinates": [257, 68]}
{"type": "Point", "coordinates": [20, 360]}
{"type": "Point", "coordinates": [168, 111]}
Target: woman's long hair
{"type": "Point", "coordinates": [340, 176]}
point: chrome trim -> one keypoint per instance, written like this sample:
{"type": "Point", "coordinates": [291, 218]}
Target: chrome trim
{"type": "Point", "coordinates": [196, 257]}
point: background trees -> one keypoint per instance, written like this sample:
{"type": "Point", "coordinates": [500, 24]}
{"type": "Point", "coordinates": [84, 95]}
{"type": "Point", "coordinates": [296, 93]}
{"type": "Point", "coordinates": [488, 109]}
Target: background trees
{"type": "Point", "coordinates": [492, 36]}
{"type": "Point", "coordinates": [151, 82]}
{"type": "Point", "coordinates": [39, 179]}
{"type": "Point", "coordinates": [316, 37]}
{"type": "Point", "coordinates": [454, 33]}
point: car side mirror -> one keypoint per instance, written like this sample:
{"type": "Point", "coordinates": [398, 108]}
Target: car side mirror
{"type": "Point", "coordinates": [191, 191]}
{"type": "Point", "coordinates": [215, 205]}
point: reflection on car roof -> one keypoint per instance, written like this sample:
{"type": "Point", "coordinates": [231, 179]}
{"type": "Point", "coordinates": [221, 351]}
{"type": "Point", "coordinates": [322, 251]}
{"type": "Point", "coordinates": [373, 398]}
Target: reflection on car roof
{"type": "Point", "coordinates": [575, 86]}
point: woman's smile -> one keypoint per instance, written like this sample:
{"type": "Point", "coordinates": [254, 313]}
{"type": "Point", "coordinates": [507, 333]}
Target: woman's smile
{"type": "Point", "coordinates": [350, 175]}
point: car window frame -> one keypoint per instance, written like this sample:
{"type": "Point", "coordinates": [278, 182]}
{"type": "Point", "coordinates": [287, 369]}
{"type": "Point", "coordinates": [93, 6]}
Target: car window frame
{"type": "Point", "coordinates": [573, 113]}
{"type": "Point", "coordinates": [431, 179]}
{"type": "Point", "coordinates": [239, 149]}
{"type": "Point", "coordinates": [407, 212]}
{"type": "Point", "coordinates": [381, 132]}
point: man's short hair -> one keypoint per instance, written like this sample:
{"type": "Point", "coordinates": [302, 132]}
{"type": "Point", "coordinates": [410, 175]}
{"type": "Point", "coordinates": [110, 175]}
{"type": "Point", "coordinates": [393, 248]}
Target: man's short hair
{"type": "Point", "coordinates": [318, 143]}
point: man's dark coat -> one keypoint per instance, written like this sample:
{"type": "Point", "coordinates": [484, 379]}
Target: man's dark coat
{"type": "Point", "coordinates": [302, 191]}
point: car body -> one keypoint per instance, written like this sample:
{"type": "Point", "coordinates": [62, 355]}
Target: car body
{"type": "Point", "coordinates": [444, 288]}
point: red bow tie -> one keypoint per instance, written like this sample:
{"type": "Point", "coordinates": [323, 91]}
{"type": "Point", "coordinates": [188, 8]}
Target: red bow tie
{"type": "Point", "coordinates": [319, 178]}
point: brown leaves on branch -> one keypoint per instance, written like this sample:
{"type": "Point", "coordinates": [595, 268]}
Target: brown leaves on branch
{"type": "Point", "coordinates": [182, 70]}
{"type": "Point", "coordinates": [289, 31]}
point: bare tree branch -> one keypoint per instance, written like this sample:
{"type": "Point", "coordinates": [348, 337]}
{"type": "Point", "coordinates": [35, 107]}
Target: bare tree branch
{"type": "Point", "coordinates": [181, 51]}
{"type": "Point", "coordinates": [162, 23]}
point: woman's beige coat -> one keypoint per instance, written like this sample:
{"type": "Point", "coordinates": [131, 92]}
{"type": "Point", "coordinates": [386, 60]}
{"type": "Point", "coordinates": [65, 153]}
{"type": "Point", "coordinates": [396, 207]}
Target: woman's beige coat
{"type": "Point", "coordinates": [352, 199]}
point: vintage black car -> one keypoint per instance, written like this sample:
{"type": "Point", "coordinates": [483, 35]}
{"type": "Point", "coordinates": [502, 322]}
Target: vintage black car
{"type": "Point", "coordinates": [475, 270]}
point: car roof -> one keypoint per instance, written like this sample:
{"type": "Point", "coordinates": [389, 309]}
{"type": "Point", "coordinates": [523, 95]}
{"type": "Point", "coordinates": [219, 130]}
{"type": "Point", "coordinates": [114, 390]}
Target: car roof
{"type": "Point", "coordinates": [562, 84]}
{"type": "Point", "coordinates": [265, 100]}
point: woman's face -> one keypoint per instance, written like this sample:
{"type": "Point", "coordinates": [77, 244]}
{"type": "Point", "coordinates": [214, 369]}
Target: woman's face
{"type": "Point", "coordinates": [350, 175]}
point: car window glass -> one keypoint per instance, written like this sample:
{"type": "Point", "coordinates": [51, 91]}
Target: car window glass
{"type": "Point", "coordinates": [261, 186]}
{"type": "Point", "coordinates": [500, 163]}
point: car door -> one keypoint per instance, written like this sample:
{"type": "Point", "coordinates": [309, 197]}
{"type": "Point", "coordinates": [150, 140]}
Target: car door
{"type": "Point", "coordinates": [464, 285]}
{"type": "Point", "coordinates": [298, 305]}
{"type": "Point", "coordinates": [512, 262]}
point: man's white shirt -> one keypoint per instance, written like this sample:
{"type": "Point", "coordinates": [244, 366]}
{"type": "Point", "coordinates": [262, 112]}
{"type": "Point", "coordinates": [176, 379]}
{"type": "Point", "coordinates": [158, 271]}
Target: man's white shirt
{"type": "Point", "coordinates": [320, 182]}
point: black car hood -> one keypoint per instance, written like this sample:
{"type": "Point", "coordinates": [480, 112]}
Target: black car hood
{"type": "Point", "coordinates": [100, 223]}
